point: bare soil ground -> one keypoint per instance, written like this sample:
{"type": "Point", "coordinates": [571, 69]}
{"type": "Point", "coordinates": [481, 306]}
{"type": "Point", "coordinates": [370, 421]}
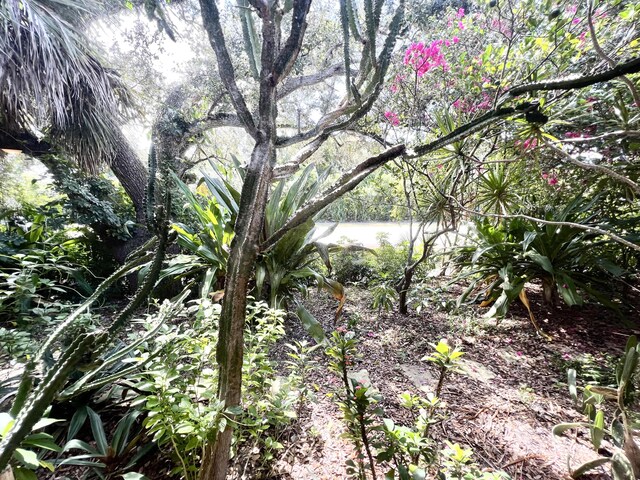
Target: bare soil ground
{"type": "Point", "coordinates": [504, 406]}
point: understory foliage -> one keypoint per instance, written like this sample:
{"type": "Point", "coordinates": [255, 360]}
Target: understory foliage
{"type": "Point", "coordinates": [402, 452]}
{"type": "Point", "coordinates": [568, 261]}
{"type": "Point", "coordinates": [619, 429]}
{"type": "Point", "coordinates": [505, 132]}
{"type": "Point", "coordinates": [178, 389]}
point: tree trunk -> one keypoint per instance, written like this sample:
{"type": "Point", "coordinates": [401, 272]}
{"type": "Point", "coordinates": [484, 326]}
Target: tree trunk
{"type": "Point", "coordinates": [549, 291]}
{"type": "Point", "coordinates": [403, 289]}
{"type": "Point", "coordinates": [242, 258]}
{"type": "Point", "coordinates": [132, 175]}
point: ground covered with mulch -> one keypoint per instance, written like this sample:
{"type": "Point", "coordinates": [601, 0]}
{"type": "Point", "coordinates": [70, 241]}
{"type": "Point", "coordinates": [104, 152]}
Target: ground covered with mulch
{"type": "Point", "coordinates": [504, 405]}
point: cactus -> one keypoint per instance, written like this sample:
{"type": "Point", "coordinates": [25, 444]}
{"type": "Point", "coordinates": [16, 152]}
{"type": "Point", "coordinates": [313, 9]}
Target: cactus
{"type": "Point", "coordinates": [30, 403]}
{"type": "Point", "coordinates": [371, 31]}
{"type": "Point", "coordinates": [89, 381]}
{"type": "Point", "coordinates": [353, 21]}
{"type": "Point", "coordinates": [344, 18]}
{"type": "Point", "coordinates": [251, 44]}
{"type": "Point", "coordinates": [42, 396]}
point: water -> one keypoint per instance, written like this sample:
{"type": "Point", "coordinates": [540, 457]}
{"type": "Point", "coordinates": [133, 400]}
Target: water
{"type": "Point", "coordinates": [366, 233]}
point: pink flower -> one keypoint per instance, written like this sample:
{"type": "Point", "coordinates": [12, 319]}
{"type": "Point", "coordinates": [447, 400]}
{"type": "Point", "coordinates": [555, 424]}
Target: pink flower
{"type": "Point", "coordinates": [566, 356]}
{"type": "Point", "coordinates": [423, 58]}
{"type": "Point", "coordinates": [341, 330]}
{"type": "Point", "coordinates": [583, 39]}
{"type": "Point", "coordinates": [571, 9]}
{"type": "Point", "coordinates": [460, 13]}
{"type": "Point", "coordinates": [530, 143]}
{"type": "Point", "coordinates": [573, 135]}
{"type": "Point", "coordinates": [461, 25]}
{"type": "Point", "coordinates": [576, 21]}
{"type": "Point", "coordinates": [545, 175]}
{"type": "Point", "coordinates": [553, 181]}
{"type": "Point", "coordinates": [392, 117]}
{"type": "Point", "coordinates": [519, 354]}
{"type": "Point", "coordinates": [455, 39]}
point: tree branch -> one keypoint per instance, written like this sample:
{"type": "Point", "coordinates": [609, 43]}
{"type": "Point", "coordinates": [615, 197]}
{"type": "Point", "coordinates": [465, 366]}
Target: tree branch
{"type": "Point", "coordinates": [599, 168]}
{"type": "Point", "coordinates": [463, 132]}
{"type": "Point", "coordinates": [632, 66]}
{"type": "Point", "coordinates": [211, 20]}
{"type": "Point", "coordinates": [299, 158]}
{"type": "Point", "coordinates": [289, 53]}
{"type": "Point", "coordinates": [214, 120]}
{"type": "Point", "coordinates": [294, 83]}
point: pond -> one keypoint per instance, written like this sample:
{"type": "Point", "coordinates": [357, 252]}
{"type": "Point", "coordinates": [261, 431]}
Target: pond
{"type": "Point", "coordinates": [366, 233]}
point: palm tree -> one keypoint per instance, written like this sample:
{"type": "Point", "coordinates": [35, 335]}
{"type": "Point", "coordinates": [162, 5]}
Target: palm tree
{"type": "Point", "coordinates": [53, 86]}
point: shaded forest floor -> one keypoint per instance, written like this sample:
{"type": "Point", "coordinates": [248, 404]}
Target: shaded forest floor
{"type": "Point", "coordinates": [504, 406]}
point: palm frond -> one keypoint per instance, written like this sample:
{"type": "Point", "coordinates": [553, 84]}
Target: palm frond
{"type": "Point", "coordinates": [51, 81]}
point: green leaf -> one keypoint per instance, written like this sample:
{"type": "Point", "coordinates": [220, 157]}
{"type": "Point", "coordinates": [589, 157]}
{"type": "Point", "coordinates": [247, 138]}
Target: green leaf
{"type": "Point", "coordinates": [27, 458]}
{"type": "Point", "coordinates": [311, 325]}
{"type": "Point", "coordinates": [45, 422]}
{"type": "Point", "coordinates": [621, 467]}
{"type": "Point", "coordinates": [121, 435]}
{"type": "Point", "coordinates": [597, 430]}
{"type": "Point", "coordinates": [76, 423]}
{"type": "Point", "coordinates": [80, 445]}
{"type": "Point", "coordinates": [582, 469]}
{"type": "Point", "coordinates": [388, 424]}
{"type": "Point", "coordinates": [98, 431]}
{"type": "Point", "coordinates": [417, 473]}
{"type": "Point", "coordinates": [21, 473]}
{"type": "Point", "coordinates": [134, 476]}
{"type": "Point", "coordinates": [42, 440]}
{"type": "Point", "coordinates": [617, 433]}
{"type": "Point", "coordinates": [6, 422]}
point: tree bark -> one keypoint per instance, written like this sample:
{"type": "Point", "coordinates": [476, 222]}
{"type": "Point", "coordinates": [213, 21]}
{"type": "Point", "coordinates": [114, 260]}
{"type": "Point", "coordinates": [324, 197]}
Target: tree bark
{"type": "Point", "coordinates": [244, 251]}
{"type": "Point", "coordinates": [132, 175]}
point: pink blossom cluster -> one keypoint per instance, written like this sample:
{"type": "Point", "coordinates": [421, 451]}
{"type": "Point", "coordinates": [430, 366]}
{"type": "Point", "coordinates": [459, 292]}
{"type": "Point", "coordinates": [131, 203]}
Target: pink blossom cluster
{"type": "Point", "coordinates": [459, 17]}
{"type": "Point", "coordinates": [573, 135]}
{"type": "Point", "coordinates": [587, 132]}
{"type": "Point", "coordinates": [571, 10]}
{"type": "Point", "coordinates": [392, 118]}
{"type": "Point", "coordinates": [422, 57]}
{"type": "Point", "coordinates": [528, 144]}
{"type": "Point", "coordinates": [466, 106]}
{"type": "Point", "coordinates": [550, 178]}
{"type": "Point", "coordinates": [395, 85]}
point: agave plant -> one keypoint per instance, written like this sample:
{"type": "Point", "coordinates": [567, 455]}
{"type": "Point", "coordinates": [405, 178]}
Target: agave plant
{"type": "Point", "coordinates": [505, 257]}
{"type": "Point", "coordinates": [289, 265]}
